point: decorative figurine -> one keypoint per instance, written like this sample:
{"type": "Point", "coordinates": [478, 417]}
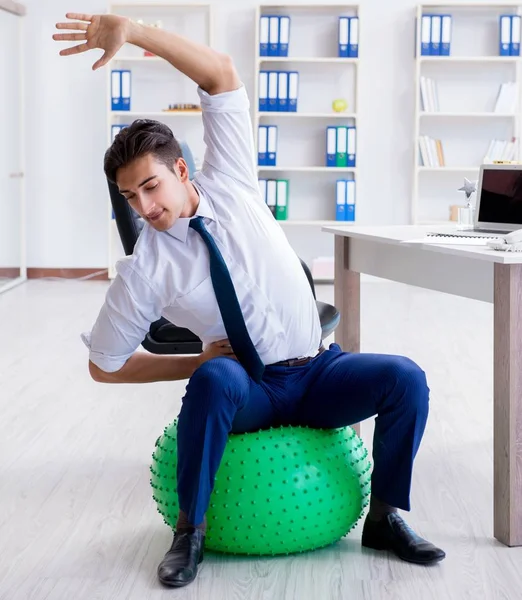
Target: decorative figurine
{"type": "Point", "coordinates": [469, 188]}
{"type": "Point", "coordinates": [466, 214]}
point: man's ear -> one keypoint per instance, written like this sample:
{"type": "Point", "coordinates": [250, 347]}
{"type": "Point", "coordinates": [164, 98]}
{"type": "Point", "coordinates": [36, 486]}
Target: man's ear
{"type": "Point", "coordinates": [182, 170]}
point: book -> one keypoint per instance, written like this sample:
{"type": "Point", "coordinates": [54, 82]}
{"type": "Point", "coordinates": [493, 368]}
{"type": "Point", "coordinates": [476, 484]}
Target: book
{"type": "Point", "coordinates": [431, 152]}
{"type": "Point", "coordinates": [429, 94]}
{"type": "Point", "coordinates": [506, 98]}
{"type": "Point", "coordinates": [504, 150]}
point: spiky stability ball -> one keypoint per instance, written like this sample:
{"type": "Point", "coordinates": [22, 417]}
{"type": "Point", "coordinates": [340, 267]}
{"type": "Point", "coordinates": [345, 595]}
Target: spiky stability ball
{"type": "Point", "coordinates": [277, 491]}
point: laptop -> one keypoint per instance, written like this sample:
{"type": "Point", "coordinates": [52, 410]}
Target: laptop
{"type": "Point", "coordinates": [499, 203]}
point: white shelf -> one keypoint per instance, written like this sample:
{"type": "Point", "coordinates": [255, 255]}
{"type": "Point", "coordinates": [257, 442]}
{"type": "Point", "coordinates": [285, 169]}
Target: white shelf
{"type": "Point", "coordinates": [448, 169]}
{"type": "Point", "coordinates": [469, 115]}
{"type": "Point", "coordinates": [472, 5]}
{"type": "Point", "coordinates": [157, 5]}
{"type": "Point", "coordinates": [318, 223]}
{"type": "Point", "coordinates": [139, 59]}
{"type": "Point", "coordinates": [309, 59]}
{"type": "Point", "coordinates": [132, 113]}
{"type": "Point", "coordinates": [296, 115]}
{"type": "Point", "coordinates": [311, 7]}
{"type": "Point", "coordinates": [476, 59]}
{"type": "Point", "coordinates": [310, 169]}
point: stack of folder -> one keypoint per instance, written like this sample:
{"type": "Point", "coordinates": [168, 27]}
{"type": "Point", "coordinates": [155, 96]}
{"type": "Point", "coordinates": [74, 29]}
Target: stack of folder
{"type": "Point", "coordinates": [345, 200]}
{"type": "Point", "coordinates": [274, 35]}
{"type": "Point", "coordinates": [340, 146]}
{"type": "Point", "coordinates": [115, 129]}
{"type": "Point", "coordinates": [267, 146]}
{"type": "Point", "coordinates": [275, 193]}
{"type": "Point", "coordinates": [348, 37]}
{"type": "Point", "coordinates": [120, 89]}
{"type": "Point", "coordinates": [278, 91]}
{"type": "Point", "coordinates": [435, 35]}
{"type": "Point", "coordinates": [509, 35]}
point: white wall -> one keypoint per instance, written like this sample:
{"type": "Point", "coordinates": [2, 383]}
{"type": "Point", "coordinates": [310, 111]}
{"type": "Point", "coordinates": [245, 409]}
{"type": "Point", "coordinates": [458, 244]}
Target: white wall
{"type": "Point", "coordinates": [66, 124]}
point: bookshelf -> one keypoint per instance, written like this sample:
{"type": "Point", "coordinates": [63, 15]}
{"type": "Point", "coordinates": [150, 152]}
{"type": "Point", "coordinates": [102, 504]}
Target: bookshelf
{"type": "Point", "coordinates": [313, 52]}
{"type": "Point", "coordinates": [156, 84]}
{"type": "Point", "coordinates": [310, 169]}
{"type": "Point", "coordinates": [457, 102]}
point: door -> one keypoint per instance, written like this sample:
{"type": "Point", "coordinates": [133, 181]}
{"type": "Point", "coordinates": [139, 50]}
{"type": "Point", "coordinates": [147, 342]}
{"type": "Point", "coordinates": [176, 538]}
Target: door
{"type": "Point", "coordinates": [12, 256]}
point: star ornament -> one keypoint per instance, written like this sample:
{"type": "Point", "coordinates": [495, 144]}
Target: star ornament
{"type": "Point", "coordinates": [468, 188]}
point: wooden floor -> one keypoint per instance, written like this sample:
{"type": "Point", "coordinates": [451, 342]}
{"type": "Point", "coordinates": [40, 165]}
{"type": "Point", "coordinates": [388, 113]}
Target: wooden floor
{"type": "Point", "coordinates": [77, 519]}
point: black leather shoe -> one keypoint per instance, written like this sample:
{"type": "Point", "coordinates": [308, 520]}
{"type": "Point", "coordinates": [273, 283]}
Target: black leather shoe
{"type": "Point", "coordinates": [392, 533]}
{"type": "Point", "coordinates": [179, 567]}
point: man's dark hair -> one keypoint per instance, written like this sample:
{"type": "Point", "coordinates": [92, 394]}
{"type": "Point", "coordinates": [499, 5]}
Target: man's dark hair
{"type": "Point", "coordinates": [144, 136]}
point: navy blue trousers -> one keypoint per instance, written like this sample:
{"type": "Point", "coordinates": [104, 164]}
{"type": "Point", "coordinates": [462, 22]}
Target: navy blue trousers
{"type": "Point", "coordinates": [334, 390]}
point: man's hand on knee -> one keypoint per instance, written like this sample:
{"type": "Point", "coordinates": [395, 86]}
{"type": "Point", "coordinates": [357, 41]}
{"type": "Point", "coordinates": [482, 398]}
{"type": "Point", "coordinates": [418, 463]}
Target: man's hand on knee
{"type": "Point", "coordinates": [215, 349]}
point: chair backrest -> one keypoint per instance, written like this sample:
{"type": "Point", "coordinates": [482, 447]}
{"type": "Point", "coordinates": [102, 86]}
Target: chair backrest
{"type": "Point", "coordinates": [189, 159]}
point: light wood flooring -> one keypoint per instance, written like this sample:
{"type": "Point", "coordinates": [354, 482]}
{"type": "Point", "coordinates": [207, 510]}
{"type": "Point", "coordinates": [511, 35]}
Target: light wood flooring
{"type": "Point", "coordinates": [77, 519]}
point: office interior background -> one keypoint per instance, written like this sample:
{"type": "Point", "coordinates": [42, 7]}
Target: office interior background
{"type": "Point", "coordinates": [78, 515]}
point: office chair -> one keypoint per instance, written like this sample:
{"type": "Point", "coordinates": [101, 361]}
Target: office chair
{"type": "Point", "coordinates": [164, 337]}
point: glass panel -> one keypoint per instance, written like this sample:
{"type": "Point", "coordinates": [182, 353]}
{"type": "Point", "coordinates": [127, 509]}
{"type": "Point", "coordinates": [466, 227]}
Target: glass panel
{"type": "Point", "coordinates": [10, 148]}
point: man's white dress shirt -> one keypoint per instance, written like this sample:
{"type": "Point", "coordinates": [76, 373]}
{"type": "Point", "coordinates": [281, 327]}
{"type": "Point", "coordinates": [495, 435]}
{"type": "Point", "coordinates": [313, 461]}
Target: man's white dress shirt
{"type": "Point", "coordinates": [168, 273]}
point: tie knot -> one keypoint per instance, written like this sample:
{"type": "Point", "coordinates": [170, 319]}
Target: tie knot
{"type": "Point", "coordinates": [197, 224]}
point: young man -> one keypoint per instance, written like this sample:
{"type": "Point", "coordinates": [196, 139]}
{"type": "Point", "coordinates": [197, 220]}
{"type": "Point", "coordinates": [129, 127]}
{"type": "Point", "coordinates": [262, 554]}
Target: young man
{"type": "Point", "coordinates": [212, 258]}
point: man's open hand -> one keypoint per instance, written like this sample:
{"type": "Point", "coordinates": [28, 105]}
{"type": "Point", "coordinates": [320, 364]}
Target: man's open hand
{"type": "Point", "coordinates": [107, 32]}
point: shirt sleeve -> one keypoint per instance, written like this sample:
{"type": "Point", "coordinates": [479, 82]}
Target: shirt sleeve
{"type": "Point", "coordinates": [228, 135]}
{"type": "Point", "coordinates": [130, 307]}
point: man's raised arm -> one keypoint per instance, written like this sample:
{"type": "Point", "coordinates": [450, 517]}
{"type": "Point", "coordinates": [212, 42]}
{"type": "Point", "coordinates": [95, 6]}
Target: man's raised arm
{"type": "Point", "coordinates": [213, 71]}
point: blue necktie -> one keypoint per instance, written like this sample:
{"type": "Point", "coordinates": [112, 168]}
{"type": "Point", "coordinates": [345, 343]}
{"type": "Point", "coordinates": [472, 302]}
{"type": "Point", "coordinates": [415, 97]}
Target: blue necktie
{"type": "Point", "coordinates": [229, 306]}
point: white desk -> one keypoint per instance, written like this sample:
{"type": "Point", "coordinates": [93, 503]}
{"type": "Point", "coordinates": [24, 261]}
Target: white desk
{"type": "Point", "coordinates": [470, 271]}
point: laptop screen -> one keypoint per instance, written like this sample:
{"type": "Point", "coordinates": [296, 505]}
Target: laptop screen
{"type": "Point", "coordinates": [501, 197]}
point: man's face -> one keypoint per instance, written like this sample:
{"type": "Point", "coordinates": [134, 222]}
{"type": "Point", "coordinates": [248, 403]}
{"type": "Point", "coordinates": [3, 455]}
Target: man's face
{"type": "Point", "coordinates": [154, 191]}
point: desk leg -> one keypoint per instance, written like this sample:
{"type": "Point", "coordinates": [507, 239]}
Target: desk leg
{"type": "Point", "coordinates": [347, 298]}
{"type": "Point", "coordinates": [507, 409]}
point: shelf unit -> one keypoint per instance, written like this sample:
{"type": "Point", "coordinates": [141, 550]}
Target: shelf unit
{"type": "Point", "coordinates": [466, 59]}
{"type": "Point", "coordinates": [470, 115]}
{"type": "Point", "coordinates": [449, 169]}
{"type": "Point", "coordinates": [467, 82]}
{"type": "Point", "coordinates": [186, 19]}
{"type": "Point", "coordinates": [305, 115]}
{"type": "Point", "coordinates": [152, 115]}
{"type": "Point", "coordinates": [310, 169]}
{"type": "Point", "coordinates": [303, 59]}
{"type": "Point", "coordinates": [313, 223]}
{"type": "Point", "coordinates": [313, 50]}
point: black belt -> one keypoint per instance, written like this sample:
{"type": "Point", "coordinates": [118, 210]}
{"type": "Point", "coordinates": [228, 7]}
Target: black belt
{"type": "Point", "coordinates": [298, 362]}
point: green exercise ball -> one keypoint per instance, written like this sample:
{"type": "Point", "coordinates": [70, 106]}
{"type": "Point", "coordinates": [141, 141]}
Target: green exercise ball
{"type": "Point", "coordinates": [277, 491]}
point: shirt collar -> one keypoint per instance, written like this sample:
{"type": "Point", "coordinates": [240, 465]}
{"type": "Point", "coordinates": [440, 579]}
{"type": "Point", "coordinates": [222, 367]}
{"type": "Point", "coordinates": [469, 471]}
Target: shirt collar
{"type": "Point", "coordinates": [180, 228]}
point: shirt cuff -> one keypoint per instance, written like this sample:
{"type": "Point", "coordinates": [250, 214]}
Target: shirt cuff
{"type": "Point", "coordinates": [109, 364]}
{"type": "Point", "coordinates": [231, 101]}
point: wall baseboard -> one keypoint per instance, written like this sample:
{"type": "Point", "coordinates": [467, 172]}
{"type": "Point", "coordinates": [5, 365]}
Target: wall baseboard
{"type": "Point", "coordinates": [39, 273]}
{"type": "Point", "coordinates": [9, 272]}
